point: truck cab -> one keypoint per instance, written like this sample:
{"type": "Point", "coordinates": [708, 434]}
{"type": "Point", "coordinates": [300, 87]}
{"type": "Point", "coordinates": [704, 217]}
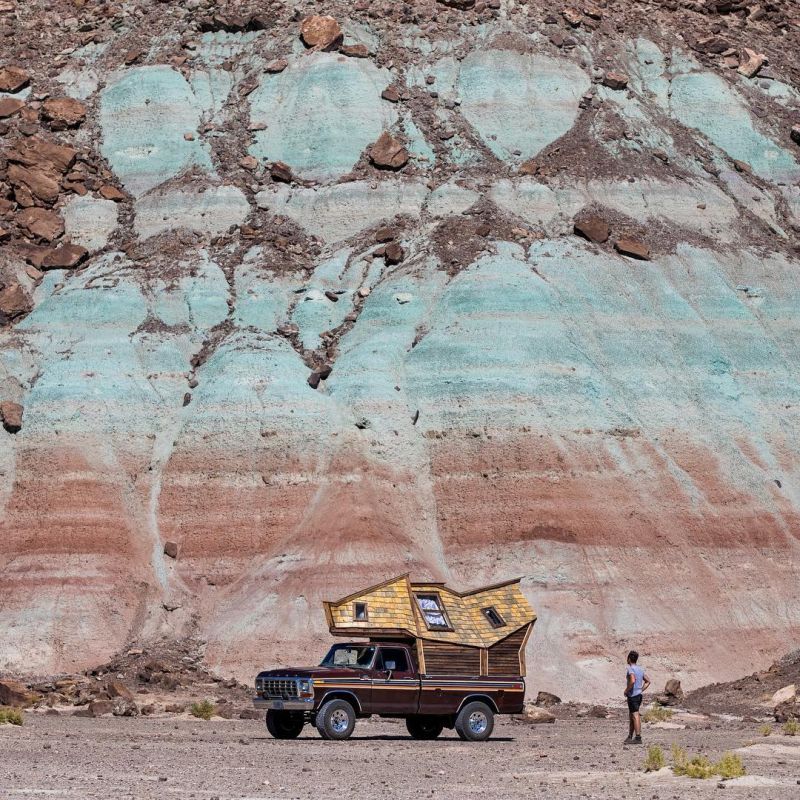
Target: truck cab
{"type": "Point", "coordinates": [358, 679]}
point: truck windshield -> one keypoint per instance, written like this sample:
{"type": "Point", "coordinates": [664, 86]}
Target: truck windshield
{"type": "Point", "coordinates": [349, 655]}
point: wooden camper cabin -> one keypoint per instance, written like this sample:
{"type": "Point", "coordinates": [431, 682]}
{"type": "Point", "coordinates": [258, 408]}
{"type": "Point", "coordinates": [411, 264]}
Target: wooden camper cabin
{"type": "Point", "coordinates": [482, 632]}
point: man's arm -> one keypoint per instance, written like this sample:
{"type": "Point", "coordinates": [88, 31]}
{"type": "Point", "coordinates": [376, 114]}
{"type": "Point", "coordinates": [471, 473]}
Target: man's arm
{"type": "Point", "coordinates": [646, 682]}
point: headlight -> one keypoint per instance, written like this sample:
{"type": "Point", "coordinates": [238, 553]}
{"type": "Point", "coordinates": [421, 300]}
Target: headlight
{"type": "Point", "coordinates": [306, 687]}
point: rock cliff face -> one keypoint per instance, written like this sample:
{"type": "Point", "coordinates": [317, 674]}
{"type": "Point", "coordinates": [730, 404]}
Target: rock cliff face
{"type": "Point", "coordinates": [320, 315]}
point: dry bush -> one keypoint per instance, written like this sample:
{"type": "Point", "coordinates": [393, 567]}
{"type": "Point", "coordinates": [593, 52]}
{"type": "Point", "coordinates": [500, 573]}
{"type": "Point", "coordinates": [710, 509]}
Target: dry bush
{"type": "Point", "coordinates": [204, 710]}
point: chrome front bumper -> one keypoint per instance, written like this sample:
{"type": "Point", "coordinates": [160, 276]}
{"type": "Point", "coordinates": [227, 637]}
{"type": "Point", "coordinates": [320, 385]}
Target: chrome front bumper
{"type": "Point", "coordinates": [274, 704]}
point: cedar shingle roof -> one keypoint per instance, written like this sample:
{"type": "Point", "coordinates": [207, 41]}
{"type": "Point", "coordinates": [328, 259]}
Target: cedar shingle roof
{"type": "Point", "coordinates": [392, 607]}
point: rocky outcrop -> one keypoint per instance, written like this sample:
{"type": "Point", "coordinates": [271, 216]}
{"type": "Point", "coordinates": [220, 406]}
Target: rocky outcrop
{"type": "Point", "coordinates": [217, 346]}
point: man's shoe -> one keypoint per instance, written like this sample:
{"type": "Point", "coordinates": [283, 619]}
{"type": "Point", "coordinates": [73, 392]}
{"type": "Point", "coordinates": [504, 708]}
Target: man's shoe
{"type": "Point", "coordinates": [629, 740]}
{"type": "Point", "coordinates": [636, 740]}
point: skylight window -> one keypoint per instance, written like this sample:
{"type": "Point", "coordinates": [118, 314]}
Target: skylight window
{"type": "Point", "coordinates": [433, 612]}
{"type": "Point", "coordinates": [493, 616]}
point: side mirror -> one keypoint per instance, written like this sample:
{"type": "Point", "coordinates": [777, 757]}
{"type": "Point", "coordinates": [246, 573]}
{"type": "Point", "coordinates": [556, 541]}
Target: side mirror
{"type": "Point", "coordinates": [391, 666]}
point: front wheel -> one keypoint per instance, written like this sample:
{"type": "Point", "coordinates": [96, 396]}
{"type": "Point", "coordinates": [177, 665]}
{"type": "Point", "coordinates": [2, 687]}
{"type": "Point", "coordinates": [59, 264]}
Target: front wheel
{"type": "Point", "coordinates": [336, 720]}
{"type": "Point", "coordinates": [424, 726]}
{"type": "Point", "coordinates": [475, 722]}
{"type": "Point", "coordinates": [285, 724]}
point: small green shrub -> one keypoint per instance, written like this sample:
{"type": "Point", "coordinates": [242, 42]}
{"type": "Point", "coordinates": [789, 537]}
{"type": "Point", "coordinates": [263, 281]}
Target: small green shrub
{"type": "Point", "coordinates": [792, 728]}
{"type": "Point", "coordinates": [655, 759]}
{"type": "Point", "coordinates": [204, 710]}
{"type": "Point", "coordinates": [10, 716]}
{"type": "Point", "coordinates": [695, 767]}
{"type": "Point", "coordinates": [657, 713]}
{"type": "Point", "coordinates": [729, 766]}
{"type": "Point", "coordinates": [765, 730]}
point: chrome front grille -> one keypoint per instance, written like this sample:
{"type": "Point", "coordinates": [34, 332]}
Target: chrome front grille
{"type": "Point", "coordinates": [283, 688]}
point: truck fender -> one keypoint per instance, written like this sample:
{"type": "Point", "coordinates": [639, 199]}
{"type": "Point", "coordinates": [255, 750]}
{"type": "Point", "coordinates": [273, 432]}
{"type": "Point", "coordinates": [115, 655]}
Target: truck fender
{"type": "Point", "coordinates": [339, 694]}
{"type": "Point", "coordinates": [484, 698]}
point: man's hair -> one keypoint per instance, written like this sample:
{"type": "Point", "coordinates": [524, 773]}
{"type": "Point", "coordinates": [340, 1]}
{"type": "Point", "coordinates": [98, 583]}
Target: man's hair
{"type": "Point", "coordinates": [633, 656]}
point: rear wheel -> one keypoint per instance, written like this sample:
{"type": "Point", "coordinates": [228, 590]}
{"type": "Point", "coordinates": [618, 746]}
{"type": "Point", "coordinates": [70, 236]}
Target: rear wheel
{"type": "Point", "coordinates": [424, 726]}
{"type": "Point", "coordinates": [475, 722]}
{"type": "Point", "coordinates": [285, 724]}
{"type": "Point", "coordinates": [336, 720]}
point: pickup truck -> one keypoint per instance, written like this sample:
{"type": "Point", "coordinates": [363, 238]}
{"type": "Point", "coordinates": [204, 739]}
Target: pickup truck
{"type": "Point", "coordinates": [356, 680]}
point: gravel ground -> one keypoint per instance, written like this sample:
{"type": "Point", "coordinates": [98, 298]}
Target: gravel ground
{"type": "Point", "coordinates": [66, 757]}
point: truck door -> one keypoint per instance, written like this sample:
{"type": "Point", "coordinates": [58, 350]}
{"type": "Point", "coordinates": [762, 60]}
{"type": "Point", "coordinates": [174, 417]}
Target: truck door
{"type": "Point", "coordinates": [395, 685]}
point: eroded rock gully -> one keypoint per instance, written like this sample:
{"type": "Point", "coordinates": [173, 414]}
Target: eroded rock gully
{"type": "Point", "coordinates": [210, 339]}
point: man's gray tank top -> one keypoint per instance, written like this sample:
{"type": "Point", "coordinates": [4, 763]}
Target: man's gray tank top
{"type": "Point", "coordinates": [638, 679]}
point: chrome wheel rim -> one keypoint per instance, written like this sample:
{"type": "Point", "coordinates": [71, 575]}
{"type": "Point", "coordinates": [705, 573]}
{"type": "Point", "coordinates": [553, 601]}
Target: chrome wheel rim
{"type": "Point", "coordinates": [339, 720]}
{"type": "Point", "coordinates": [478, 722]}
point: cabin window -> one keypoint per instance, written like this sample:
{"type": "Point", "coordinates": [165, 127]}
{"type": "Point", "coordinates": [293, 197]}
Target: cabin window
{"type": "Point", "coordinates": [493, 616]}
{"type": "Point", "coordinates": [433, 612]}
{"type": "Point", "coordinates": [360, 612]}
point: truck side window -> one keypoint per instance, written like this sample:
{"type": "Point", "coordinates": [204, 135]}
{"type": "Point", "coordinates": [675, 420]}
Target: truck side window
{"type": "Point", "coordinates": [397, 655]}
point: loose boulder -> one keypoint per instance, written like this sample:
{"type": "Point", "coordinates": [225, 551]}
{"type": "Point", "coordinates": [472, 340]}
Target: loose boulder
{"type": "Point", "coordinates": [10, 106]}
{"type": "Point", "coordinates": [11, 416]}
{"type": "Point", "coordinates": [63, 112]}
{"type": "Point", "coordinates": [615, 80]}
{"type": "Point", "coordinates": [171, 549]}
{"type": "Point", "coordinates": [36, 165]}
{"type": "Point", "coordinates": [750, 63]}
{"type": "Point", "coordinates": [321, 32]}
{"type": "Point", "coordinates": [67, 256]}
{"type": "Point", "coordinates": [99, 708]}
{"type": "Point", "coordinates": [592, 227]}
{"type": "Point", "coordinates": [123, 707]}
{"type": "Point", "coordinates": [13, 79]}
{"type": "Point", "coordinates": [281, 172]}
{"type": "Point", "coordinates": [41, 223]}
{"type": "Point", "coordinates": [534, 715]}
{"type": "Point", "coordinates": [388, 152]}
{"type": "Point", "coordinates": [14, 302]}
{"type": "Point", "coordinates": [354, 50]}
{"type": "Point", "coordinates": [13, 693]}
{"type": "Point", "coordinates": [394, 253]}
{"type": "Point", "coordinates": [632, 248]}
{"type": "Point", "coordinates": [547, 700]}
{"type": "Point", "coordinates": [116, 689]}
{"type": "Point", "coordinates": [672, 694]}
{"type": "Point", "coordinates": [788, 694]}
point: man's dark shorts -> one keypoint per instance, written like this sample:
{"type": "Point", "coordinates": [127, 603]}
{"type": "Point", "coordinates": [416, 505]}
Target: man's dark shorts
{"type": "Point", "coordinates": [634, 703]}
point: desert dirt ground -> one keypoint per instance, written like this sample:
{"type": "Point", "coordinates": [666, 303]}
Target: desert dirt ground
{"type": "Point", "coordinates": [69, 757]}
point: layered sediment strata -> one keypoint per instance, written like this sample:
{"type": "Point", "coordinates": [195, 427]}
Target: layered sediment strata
{"type": "Point", "coordinates": [493, 396]}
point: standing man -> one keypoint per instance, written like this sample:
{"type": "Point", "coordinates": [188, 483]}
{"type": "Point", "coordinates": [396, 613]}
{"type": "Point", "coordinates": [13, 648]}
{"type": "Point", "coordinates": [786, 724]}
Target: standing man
{"type": "Point", "coordinates": [636, 683]}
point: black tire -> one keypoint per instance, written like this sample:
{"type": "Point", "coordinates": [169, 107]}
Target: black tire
{"type": "Point", "coordinates": [285, 724]}
{"type": "Point", "coordinates": [336, 720]}
{"type": "Point", "coordinates": [424, 726]}
{"type": "Point", "coordinates": [475, 722]}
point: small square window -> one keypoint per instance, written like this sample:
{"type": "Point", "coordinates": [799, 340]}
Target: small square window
{"type": "Point", "coordinates": [360, 613]}
{"type": "Point", "coordinates": [493, 616]}
{"type": "Point", "coordinates": [433, 612]}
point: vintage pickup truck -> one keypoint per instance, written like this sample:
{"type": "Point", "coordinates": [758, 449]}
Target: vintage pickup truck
{"type": "Point", "coordinates": [357, 680]}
